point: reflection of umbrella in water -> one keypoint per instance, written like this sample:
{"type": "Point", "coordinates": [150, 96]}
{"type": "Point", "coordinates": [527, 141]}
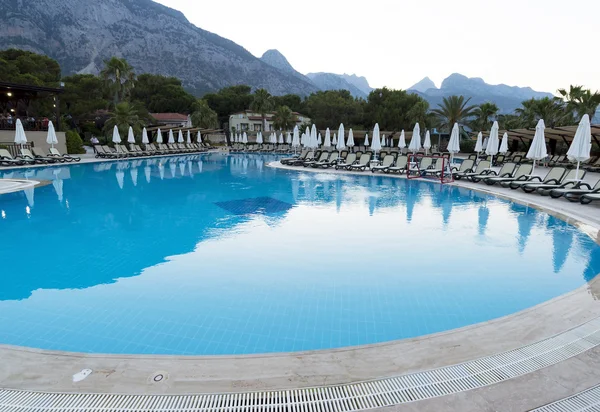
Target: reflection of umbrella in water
{"type": "Point", "coordinates": [147, 172]}
{"type": "Point", "coordinates": [295, 188]}
{"type": "Point", "coordinates": [120, 178]}
{"type": "Point", "coordinates": [412, 195]}
{"type": "Point", "coordinates": [372, 204]}
{"type": "Point", "coordinates": [199, 166]}
{"type": "Point", "coordinates": [484, 215]}
{"type": "Point", "coordinates": [191, 171]}
{"type": "Point", "coordinates": [525, 222]}
{"type": "Point", "coordinates": [58, 184]}
{"type": "Point", "coordinates": [29, 195]}
{"type": "Point", "coordinates": [562, 242]}
{"type": "Point", "coordinates": [447, 204]}
{"type": "Point", "coordinates": [161, 171]}
{"type": "Point", "coordinates": [134, 175]}
{"type": "Point", "coordinates": [339, 194]}
{"type": "Point", "coordinates": [182, 168]}
{"type": "Point", "coordinates": [173, 168]}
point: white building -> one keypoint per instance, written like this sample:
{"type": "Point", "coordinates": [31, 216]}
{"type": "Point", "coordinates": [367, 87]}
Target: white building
{"type": "Point", "coordinates": [249, 121]}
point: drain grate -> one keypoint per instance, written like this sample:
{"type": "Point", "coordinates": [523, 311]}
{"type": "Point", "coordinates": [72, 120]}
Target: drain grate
{"type": "Point", "coordinates": [340, 398]}
{"type": "Point", "coordinates": [586, 401]}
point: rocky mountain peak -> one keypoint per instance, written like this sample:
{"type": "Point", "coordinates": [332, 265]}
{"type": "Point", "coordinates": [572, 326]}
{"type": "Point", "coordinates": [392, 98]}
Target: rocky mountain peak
{"type": "Point", "coordinates": [423, 85]}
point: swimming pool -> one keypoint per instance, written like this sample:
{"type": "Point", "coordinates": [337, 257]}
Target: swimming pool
{"type": "Point", "coordinates": [214, 254]}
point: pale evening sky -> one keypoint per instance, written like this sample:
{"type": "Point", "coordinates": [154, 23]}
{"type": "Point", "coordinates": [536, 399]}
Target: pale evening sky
{"type": "Point", "coordinates": [544, 44]}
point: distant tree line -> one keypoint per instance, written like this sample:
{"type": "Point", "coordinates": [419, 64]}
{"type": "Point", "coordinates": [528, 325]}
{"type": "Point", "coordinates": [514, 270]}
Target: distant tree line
{"type": "Point", "coordinates": [117, 96]}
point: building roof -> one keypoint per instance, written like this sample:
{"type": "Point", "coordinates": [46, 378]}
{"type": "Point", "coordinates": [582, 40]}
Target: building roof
{"type": "Point", "coordinates": [267, 114]}
{"type": "Point", "coordinates": [564, 133]}
{"type": "Point", "coordinates": [14, 91]}
{"type": "Point", "coordinates": [173, 117]}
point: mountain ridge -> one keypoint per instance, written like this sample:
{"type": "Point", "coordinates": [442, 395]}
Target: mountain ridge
{"type": "Point", "coordinates": [507, 98]}
{"type": "Point", "coordinates": [152, 37]}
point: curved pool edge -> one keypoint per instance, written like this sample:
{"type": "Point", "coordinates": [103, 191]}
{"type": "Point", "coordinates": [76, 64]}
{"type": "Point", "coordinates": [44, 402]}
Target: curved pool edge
{"type": "Point", "coordinates": [34, 369]}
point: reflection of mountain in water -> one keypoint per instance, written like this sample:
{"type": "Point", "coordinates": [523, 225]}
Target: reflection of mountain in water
{"type": "Point", "coordinates": [129, 216]}
{"type": "Point", "coordinates": [119, 218]}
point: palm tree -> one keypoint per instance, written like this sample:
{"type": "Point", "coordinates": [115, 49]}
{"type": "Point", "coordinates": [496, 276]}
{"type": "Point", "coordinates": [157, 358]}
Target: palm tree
{"type": "Point", "coordinates": [119, 78]}
{"type": "Point", "coordinates": [510, 121]}
{"type": "Point", "coordinates": [552, 110]}
{"type": "Point", "coordinates": [580, 101]}
{"type": "Point", "coordinates": [454, 109]}
{"type": "Point", "coordinates": [261, 104]}
{"type": "Point", "coordinates": [284, 118]}
{"type": "Point", "coordinates": [484, 115]}
{"type": "Point", "coordinates": [125, 115]}
{"type": "Point", "coordinates": [203, 116]}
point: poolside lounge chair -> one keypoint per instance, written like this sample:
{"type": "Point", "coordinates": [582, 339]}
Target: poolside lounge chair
{"type": "Point", "coordinates": [507, 170]}
{"type": "Point", "coordinates": [465, 167]}
{"type": "Point", "coordinates": [553, 176]}
{"type": "Point", "coordinates": [399, 165]}
{"type": "Point", "coordinates": [27, 155]}
{"type": "Point", "coordinates": [6, 159]}
{"type": "Point", "coordinates": [570, 179]}
{"type": "Point", "coordinates": [588, 198]}
{"type": "Point", "coordinates": [573, 194]}
{"type": "Point", "coordinates": [302, 155]}
{"type": "Point", "coordinates": [68, 158]}
{"type": "Point", "coordinates": [350, 159]}
{"type": "Point", "coordinates": [332, 161]}
{"type": "Point", "coordinates": [522, 173]}
{"type": "Point", "coordinates": [39, 154]}
{"type": "Point", "coordinates": [435, 169]}
{"type": "Point", "coordinates": [323, 157]}
{"type": "Point", "coordinates": [424, 164]}
{"type": "Point", "coordinates": [362, 163]}
{"type": "Point", "coordinates": [387, 161]}
{"type": "Point", "coordinates": [310, 156]}
{"type": "Point", "coordinates": [482, 168]}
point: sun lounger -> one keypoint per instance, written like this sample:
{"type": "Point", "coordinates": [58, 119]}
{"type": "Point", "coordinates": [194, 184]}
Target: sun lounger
{"type": "Point", "coordinates": [6, 159]}
{"type": "Point", "coordinates": [507, 170]}
{"type": "Point", "coordinates": [39, 154]}
{"type": "Point", "coordinates": [522, 173]}
{"type": "Point", "coordinates": [333, 158]}
{"type": "Point", "coordinates": [399, 165]}
{"type": "Point", "coordinates": [323, 157]}
{"type": "Point", "coordinates": [573, 194]}
{"type": "Point", "coordinates": [553, 176]}
{"type": "Point", "coordinates": [387, 161]}
{"type": "Point", "coordinates": [589, 197]}
{"type": "Point", "coordinates": [435, 169]}
{"type": "Point", "coordinates": [302, 155]}
{"type": "Point", "coordinates": [361, 164]}
{"type": "Point", "coordinates": [68, 158]}
{"type": "Point", "coordinates": [424, 164]}
{"type": "Point", "coordinates": [482, 167]}
{"type": "Point", "coordinates": [310, 156]}
{"type": "Point", "coordinates": [350, 159]}
{"type": "Point", "coordinates": [570, 179]}
{"type": "Point", "coordinates": [28, 156]}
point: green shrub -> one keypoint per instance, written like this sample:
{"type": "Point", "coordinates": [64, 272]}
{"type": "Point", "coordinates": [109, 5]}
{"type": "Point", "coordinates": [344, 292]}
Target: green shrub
{"type": "Point", "coordinates": [467, 145]}
{"type": "Point", "coordinates": [74, 143]}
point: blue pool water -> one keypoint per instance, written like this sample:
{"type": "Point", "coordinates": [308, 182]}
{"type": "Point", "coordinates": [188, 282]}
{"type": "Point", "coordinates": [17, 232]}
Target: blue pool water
{"type": "Point", "coordinates": [218, 254]}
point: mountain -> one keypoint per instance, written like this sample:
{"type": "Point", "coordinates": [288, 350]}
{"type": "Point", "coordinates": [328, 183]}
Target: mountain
{"type": "Point", "coordinates": [507, 98]}
{"type": "Point", "coordinates": [359, 81]}
{"type": "Point", "coordinates": [423, 85]}
{"type": "Point", "coordinates": [330, 81]}
{"type": "Point", "coordinates": [81, 34]}
{"type": "Point", "coordinates": [277, 60]}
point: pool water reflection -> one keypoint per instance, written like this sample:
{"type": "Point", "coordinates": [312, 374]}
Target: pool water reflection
{"type": "Point", "coordinates": [214, 254]}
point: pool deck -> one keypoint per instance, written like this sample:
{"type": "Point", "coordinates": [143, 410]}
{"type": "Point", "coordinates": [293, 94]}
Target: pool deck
{"type": "Point", "coordinates": [38, 370]}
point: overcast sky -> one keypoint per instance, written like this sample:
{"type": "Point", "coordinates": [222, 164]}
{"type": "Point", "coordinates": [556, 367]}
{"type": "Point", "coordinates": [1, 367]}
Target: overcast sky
{"type": "Point", "coordinates": [544, 44]}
